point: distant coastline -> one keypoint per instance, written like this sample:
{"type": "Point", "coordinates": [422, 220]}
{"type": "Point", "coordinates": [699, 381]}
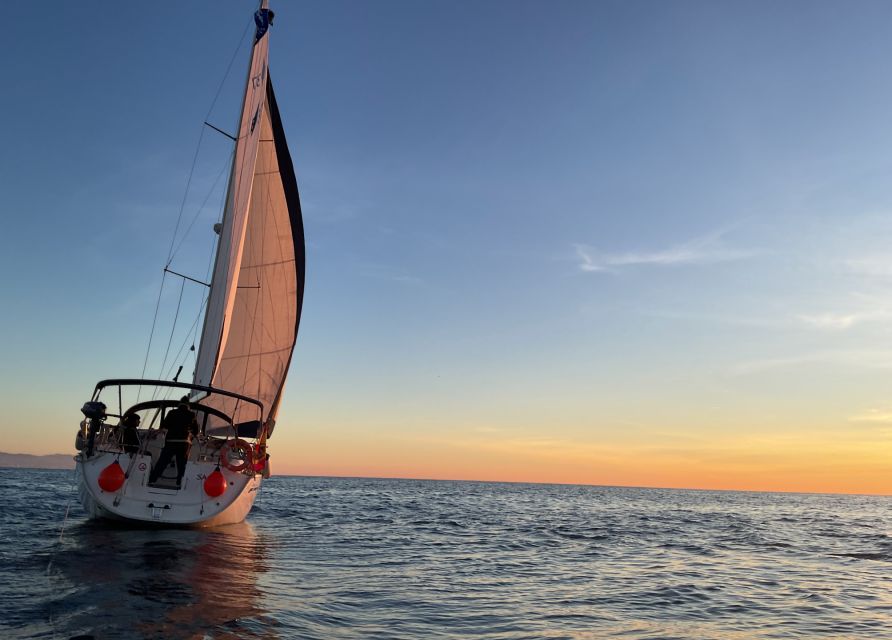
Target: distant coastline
{"type": "Point", "coordinates": [28, 461]}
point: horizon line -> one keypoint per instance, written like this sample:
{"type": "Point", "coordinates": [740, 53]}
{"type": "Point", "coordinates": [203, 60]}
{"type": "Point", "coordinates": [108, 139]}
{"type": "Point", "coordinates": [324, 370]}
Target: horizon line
{"type": "Point", "coordinates": [565, 484]}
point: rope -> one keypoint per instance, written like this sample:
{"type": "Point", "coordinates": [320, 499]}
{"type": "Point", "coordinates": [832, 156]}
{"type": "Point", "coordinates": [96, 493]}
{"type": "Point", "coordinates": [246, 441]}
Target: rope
{"type": "Point", "coordinates": [176, 361]}
{"type": "Point", "coordinates": [57, 545]}
{"type": "Point", "coordinates": [151, 335]}
{"type": "Point", "coordinates": [67, 508]}
{"type": "Point", "coordinates": [172, 330]}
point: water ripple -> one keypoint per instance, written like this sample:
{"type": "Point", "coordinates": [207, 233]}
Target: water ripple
{"type": "Point", "coordinates": [352, 558]}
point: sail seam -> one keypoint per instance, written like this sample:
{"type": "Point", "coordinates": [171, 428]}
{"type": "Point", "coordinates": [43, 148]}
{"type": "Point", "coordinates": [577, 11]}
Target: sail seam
{"type": "Point", "coordinates": [268, 264]}
{"type": "Point", "coordinates": [255, 354]}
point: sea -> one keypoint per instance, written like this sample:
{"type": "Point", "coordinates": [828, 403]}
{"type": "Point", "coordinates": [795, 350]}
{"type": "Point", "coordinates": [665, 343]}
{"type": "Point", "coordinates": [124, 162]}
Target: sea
{"type": "Point", "coordinates": [374, 558]}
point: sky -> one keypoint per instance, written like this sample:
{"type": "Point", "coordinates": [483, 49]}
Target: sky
{"type": "Point", "coordinates": [615, 243]}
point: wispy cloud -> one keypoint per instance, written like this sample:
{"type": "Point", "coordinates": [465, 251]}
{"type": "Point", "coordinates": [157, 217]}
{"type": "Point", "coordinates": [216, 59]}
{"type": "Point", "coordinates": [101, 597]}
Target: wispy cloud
{"type": "Point", "coordinates": [862, 309]}
{"type": "Point", "coordinates": [489, 429]}
{"type": "Point", "coordinates": [833, 321]}
{"type": "Point", "coordinates": [883, 416]}
{"type": "Point", "coordinates": [766, 322]}
{"type": "Point", "coordinates": [842, 321]}
{"type": "Point", "coordinates": [871, 266]}
{"type": "Point", "coordinates": [863, 359]}
{"type": "Point", "coordinates": [381, 272]}
{"type": "Point", "coordinates": [707, 249]}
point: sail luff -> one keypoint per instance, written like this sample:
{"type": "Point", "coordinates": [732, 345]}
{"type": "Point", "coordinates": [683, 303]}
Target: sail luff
{"type": "Point", "coordinates": [231, 242]}
{"type": "Point", "coordinates": [210, 341]}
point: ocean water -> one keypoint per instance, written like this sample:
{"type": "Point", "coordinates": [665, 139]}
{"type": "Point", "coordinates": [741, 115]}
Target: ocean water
{"type": "Point", "coordinates": [360, 558]}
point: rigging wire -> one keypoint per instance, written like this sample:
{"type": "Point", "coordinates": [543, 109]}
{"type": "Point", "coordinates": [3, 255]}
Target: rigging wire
{"type": "Point", "coordinates": [193, 330]}
{"type": "Point", "coordinates": [215, 240]}
{"type": "Point", "coordinates": [229, 66]}
{"type": "Point", "coordinates": [151, 334]}
{"type": "Point", "coordinates": [185, 196]}
{"type": "Point", "coordinates": [200, 209]}
{"type": "Point", "coordinates": [189, 334]}
{"type": "Point", "coordinates": [170, 251]}
{"type": "Point", "coordinates": [176, 250]}
{"type": "Point", "coordinates": [172, 330]}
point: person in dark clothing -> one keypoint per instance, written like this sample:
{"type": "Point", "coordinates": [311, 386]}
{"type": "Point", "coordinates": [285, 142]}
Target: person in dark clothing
{"type": "Point", "coordinates": [180, 426]}
{"type": "Point", "coordinates": [130, 436]}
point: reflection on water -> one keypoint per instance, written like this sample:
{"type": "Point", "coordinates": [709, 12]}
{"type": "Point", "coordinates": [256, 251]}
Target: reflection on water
{"type": "Point", "coordinates": [151, 583]}
{"type": "Point", "coordinates": [352, 558]}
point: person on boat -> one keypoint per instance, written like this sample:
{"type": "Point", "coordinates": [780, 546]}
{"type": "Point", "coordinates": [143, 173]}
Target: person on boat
{"type": "Point", "coordinates": [130, 435]}
{"type": "Point", "coordinates": [180, 425]}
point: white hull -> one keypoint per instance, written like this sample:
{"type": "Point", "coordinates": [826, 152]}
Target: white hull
{"type": "Point", "coordinates": [138, 503]}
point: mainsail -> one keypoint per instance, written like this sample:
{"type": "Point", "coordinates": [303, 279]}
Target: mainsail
{"type": "Point", "coordinates": [256, 293]}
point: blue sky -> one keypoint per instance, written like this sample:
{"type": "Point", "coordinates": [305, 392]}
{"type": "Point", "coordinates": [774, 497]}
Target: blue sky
{"type": "Point", "coordinates": [574, 222]}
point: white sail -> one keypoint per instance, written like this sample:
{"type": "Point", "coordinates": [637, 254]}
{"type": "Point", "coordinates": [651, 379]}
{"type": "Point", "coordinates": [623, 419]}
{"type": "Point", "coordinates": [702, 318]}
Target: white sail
{"type": "Point", "coordinates": [257, 288]}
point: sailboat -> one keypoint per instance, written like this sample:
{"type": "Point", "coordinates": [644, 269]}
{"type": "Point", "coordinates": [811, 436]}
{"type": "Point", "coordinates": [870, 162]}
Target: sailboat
{"type": "Point", "coordinates": [247, 341]}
